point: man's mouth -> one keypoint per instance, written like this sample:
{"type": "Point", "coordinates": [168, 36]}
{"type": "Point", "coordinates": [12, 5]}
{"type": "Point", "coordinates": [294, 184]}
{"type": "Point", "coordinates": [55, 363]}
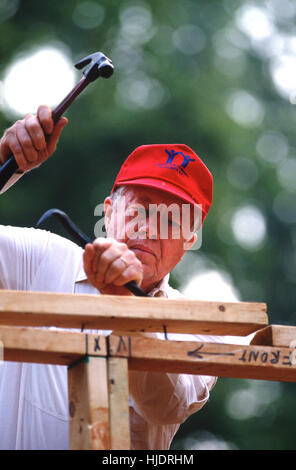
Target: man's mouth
{"type": "Point", "coordinates": [143, 249]}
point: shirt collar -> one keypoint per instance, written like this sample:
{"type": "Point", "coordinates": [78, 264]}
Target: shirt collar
{"type": "Point", "coordinates": [161, 289]}
{"type": "Point", "coordinates": [81, 276]}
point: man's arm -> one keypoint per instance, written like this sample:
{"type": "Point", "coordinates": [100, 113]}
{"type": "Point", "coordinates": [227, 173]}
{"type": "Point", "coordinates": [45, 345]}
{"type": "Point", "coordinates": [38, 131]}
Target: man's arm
{"type": "Point", "coordinates": [31, 140]}
{"type": "Point", "coordinates": [21, 252]}
{"type": "Point", "coordinates": [165, 398]}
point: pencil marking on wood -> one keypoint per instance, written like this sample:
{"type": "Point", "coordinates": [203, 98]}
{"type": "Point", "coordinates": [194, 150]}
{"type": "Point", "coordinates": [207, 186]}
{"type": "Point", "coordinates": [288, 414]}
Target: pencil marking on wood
{"type": "Point", "coordinates": [97, 344]}
{"type": "Point", "coordinates": [263, 357]}
{"type": "Point", "coordinates": [196, 353]}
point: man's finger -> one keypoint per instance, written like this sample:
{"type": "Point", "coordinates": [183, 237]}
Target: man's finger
{"type": "Point", "coordinates": [55, 135]}
{"type": "Point", "coordinates": [109, 255]}
{"type": "Point", "coordinates": [115, 269]}
{"type": "Point", "coordinates": [26, 143]}
{"type": "Point", "coordinates": [10, 145]}
{"type": "Point", "coordinates": [35, 131]}
{"type": "Point", "coordinates": [87, 260]}
{"type": "Point", "coordinates": [131, 273]}
{"type": "Point", "coordinates": [44, 115]}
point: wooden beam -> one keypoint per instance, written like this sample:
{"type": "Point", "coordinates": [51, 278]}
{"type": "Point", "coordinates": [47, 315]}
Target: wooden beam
{"type": "Point", "coordinates": [276, 335]}
{"type": "Point", "coordinates": [127, 313]}
{"type": "Point", "coordinates": [118, 403]}
{"type": "Point", "coordinates": [266, 362]}
{"type": "Point", "coordinates": [47, 346]}
{"type": "Point", "coordinates": [89, 405]}
{"type": "Point", "coordinates": [217, 359]}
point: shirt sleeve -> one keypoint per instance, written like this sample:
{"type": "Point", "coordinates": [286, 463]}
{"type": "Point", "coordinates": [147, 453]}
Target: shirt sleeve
{"type": "Point", "coordinates": [14, 178]}
{"type": "Point", "coordinates": [21, 252]}
{"type": "Point", "coordinates": [167, 398]}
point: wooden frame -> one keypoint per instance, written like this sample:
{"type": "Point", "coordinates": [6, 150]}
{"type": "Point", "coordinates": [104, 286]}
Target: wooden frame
{"type": "Point", "coordinates": [113, 312]}
{"type": "Point", "coordinates": [98, 365]}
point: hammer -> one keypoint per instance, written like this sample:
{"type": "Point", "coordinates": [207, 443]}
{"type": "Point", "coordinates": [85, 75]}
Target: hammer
{"type": "Point", "coordinates": [98, 66]}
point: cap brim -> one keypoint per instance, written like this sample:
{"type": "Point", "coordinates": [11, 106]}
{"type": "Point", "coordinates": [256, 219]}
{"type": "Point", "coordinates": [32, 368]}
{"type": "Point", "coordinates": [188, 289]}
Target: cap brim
{"type": "Point", "coordinates": [161, 185]}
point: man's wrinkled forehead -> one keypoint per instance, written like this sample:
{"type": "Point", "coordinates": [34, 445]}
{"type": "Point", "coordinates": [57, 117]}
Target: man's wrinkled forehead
{"type": "Point", "coordinates": [151, 195]}
{"type": "Point", "coordinates": [153, 199]}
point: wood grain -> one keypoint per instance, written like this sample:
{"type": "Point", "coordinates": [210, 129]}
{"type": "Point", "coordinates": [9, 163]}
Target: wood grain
{"type": "Point", "coordinates": [21, 308]}
{"type": "Point", "coordinates": [217, 359]}
{"type": "Point", "coordinates": [89, 405]}
{"type": "Point", "coordinates": [276, 335]}
{"type": "Point", "coordinates": [118, 403]}
{"type": "Point", "coordinates": [46, 346]}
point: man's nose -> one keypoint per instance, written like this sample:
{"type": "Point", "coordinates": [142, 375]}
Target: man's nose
{"type": "Point", "coordinates": [149, 226]}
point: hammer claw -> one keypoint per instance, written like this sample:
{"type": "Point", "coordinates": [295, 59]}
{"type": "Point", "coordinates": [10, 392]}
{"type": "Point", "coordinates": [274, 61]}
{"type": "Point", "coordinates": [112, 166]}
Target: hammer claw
{"type": "Point", "coordinates": [99, 66]}
{"type": "Point", "coordinates": [82, 63]}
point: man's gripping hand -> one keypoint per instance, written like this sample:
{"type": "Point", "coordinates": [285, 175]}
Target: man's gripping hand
{"type": "Point", "coordinates": [31, 140]}
{"type": "Point", "coordinates": [110, 264]}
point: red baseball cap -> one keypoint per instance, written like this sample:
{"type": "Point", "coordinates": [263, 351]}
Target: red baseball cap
{"type": "Point", "coordinates": [174, 168]}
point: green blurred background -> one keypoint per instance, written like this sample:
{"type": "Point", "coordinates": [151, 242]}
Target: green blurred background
{"type": "Point", "coordinates": [218, 75]}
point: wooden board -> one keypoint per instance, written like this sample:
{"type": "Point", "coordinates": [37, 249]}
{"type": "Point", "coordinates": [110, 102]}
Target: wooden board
{"type": "Point", "coordinates": [276, 335]}
{"type": "Point", "coordinates": [264, 362]}
{"type": "Point", "coordinates": [89, 405]}
{"type": "Point", "coordinates": [217, 359]}
{"type": "Point", "coordinates": [130, 313]}
{"type": "Point", "coordinates": [118, 403]}
{"type": "Point", "coordinates": [46, 346]}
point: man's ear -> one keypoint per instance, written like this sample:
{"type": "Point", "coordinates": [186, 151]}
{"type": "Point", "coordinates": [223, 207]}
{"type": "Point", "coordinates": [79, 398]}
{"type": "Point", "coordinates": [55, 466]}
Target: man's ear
{"type": "Point", "coordinates": [190, 242]}
{"type": "Point", "coordinates": [108, 209]}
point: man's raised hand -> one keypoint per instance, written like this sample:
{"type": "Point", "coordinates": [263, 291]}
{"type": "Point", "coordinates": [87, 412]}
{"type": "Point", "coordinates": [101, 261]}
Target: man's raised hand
{"type": "Point", "coordinates": [31, 140]}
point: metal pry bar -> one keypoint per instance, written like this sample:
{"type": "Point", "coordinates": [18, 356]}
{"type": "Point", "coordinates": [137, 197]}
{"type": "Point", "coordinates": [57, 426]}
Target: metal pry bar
{"type": "Point", "coordinates": [82, 239]}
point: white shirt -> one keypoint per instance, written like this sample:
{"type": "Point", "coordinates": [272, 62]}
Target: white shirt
{"type": "Point", "coordinates": [33, 397]}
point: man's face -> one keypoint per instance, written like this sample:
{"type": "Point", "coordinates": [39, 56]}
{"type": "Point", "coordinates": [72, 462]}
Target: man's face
{"type": "Point", "coordinates": [157, 236]}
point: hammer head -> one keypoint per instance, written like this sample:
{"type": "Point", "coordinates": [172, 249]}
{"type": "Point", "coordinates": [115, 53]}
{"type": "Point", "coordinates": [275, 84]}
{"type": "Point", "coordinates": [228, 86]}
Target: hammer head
{"type": "Point", "coordinates": [98, 66]}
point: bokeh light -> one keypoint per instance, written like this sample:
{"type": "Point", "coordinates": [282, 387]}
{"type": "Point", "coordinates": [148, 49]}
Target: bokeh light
{"type": "Point", "coordinates": [283, 70]}
{"type": "Point", "coordinates": [8, 8]}
{"type": "Point", "coordinates": [205, 440]}
{"type": "Point", "coordinates": [242, 173]}
{"type": "Point", "coordinates": [245, 109]}
{"type": "Point", "coordinates": [260, 25]}
{"type": "Point", "coordinates": [140, 91]}
{"type": "Point", "coordinates": [286, 172]}
{"type": "Point", "coordinates": [255, 22]}
{"type": "Point", "coordinates": [211, 285]}
{"type": "Point", "coordinates": [136, 24]}
{"type": "Point", "coordinates": [255, 399]}
{"type": "Point", "coordinates": [249, 227]}
{"type": "Point", "coordinates": [189, 39]}
{"type": "Point", "coordinates": [272, 147]}
{"type": "Point", "coordinates": [284, 207]}
{"type": "Point", "coordinates": [88, 15]}
{"type": "Point", "coordinates": [44, 76]}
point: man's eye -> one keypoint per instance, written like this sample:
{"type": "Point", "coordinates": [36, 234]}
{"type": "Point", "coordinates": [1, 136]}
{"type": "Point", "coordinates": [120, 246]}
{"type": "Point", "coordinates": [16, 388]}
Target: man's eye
{"type": "Point", "coordinates": [174, 223]}
{"type": "Point", "coordinates": [130, 211]}
{"type": "Point", "coordinates": [134, 211]}
{"type": "Point", "coordinates": [141, 210]}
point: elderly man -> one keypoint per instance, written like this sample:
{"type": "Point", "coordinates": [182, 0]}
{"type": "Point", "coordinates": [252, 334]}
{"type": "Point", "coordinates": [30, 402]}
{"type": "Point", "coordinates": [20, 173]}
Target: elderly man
{"type": "Point", "coordinates": [33, 398]}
